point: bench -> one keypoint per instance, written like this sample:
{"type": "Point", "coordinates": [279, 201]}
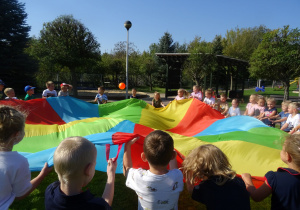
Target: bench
{"type": "Point", "coordinates": [291, 98]}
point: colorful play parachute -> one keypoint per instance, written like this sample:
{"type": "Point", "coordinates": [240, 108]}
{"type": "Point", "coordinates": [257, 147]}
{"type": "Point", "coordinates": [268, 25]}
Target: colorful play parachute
{"type": "Point", "coordinates": [250, 145]}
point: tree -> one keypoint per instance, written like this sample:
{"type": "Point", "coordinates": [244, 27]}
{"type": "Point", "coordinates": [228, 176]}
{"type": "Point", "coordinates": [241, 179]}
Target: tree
{"type": "Point", "coordinates": [278, 57]}
{"type": "Point", "coordinates": [13, 39]}
{"type": "Point", "coordinates": [68, 43]}
{"type": "Point", "coordinates": [201, 61]}
{"type": "Point", "coordinates": [241, 43]}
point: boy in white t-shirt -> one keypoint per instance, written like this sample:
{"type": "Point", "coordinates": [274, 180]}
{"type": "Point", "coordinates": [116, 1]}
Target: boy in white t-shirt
{"type": "Point", "coordinates": [49, 92]}
{"type": "Point", "coordinates": [158, 187]}
{"type": "Point", "coordinates": [293, 119]}
{"type": "Point", "coordinates": [209, 100]}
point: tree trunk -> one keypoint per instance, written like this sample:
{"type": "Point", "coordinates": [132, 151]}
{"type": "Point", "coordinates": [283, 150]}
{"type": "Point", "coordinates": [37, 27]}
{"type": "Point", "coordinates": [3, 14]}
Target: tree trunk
{"type": "Point", "coordinates": [74, 82]}
{"type": "Point", "coordinates": [286, 85]}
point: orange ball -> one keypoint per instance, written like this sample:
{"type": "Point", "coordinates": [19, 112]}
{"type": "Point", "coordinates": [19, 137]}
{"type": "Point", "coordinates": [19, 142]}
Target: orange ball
{"type": "Point", "coordinates": [122, 86]}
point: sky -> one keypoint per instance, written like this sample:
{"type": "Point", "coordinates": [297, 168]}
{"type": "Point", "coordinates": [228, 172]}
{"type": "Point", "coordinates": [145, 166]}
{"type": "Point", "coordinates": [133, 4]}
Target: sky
{"type": "Point", "coordinates": [184, 20]}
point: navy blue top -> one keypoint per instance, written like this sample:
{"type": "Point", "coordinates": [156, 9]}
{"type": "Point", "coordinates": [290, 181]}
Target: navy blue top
{"type": "Point", "coordinates": [232, 195]}
{"type": "Point", "coordinates": [285, 186]}
{"type": "Point", "coordinates": [134, 97]}
{"type": "Point", "coordinates": [56, 199]}
{"type": "Point", "coordinates": [267, 114]}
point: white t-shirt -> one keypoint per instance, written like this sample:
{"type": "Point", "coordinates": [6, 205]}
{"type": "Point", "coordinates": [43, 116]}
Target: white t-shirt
{"type": "Point", "coordinates": [156, 191]}
{"type": "Point", "coordinates": [209, 101]}
{"type": "Point", "coordinates": [11, 98]}
{"type": "Point", "coordinates": [293, 121]}
{"type": "Point", "coordinates": [61, 93]}
{"type": "Point", "coordinates": [14, 177]}
{"type": "Point", "coordinates": [47, 93]}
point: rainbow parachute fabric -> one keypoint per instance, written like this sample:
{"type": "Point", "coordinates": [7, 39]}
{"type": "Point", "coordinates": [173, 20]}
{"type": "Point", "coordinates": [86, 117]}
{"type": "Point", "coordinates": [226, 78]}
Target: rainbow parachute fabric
{"type": "Point", "coordinates": [250, 145]}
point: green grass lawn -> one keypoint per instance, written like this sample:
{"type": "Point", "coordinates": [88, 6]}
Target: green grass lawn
{"type": "Point", "coordinates": [126, 198]}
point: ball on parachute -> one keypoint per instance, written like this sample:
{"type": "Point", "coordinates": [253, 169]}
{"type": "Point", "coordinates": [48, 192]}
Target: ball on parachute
{"type": "Point", "coordinates": [122, 86]}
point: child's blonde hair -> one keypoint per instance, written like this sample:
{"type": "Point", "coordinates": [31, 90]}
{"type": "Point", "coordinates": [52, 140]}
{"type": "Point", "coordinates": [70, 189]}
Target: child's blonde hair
{"type": "Point", "coordinates": [72, 156]}
{"type": "Point", "coordinates": [207, 160]}
{"type": "Point", "coordinates": [271, 100]}
{"type": "Point", "coordinates": [7, 91]}
{"type": "Point", "coordinates": [293, 105]}
{"type": "Point", "coordinates": [255, 96]}
{"type": "Point", "coordinates": [197, 87]}
{"type": "Point", "coordinates": [185, 93]}
{"type": "Point", "coordinates": [49, 83]}
{"type": "Point", "coordinates": [292, 147]}
{"type": "Point", "coordinates": [235, 99]}
{"type": "Point", "coordinates": [285, 103]}
{"type": "Point", "coordinates": [11, 122]}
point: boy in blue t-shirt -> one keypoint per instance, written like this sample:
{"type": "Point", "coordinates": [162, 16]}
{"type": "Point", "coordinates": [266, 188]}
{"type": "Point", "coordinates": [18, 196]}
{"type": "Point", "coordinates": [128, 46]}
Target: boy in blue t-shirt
{"type": "Point", "coordinates": [283, 115]}
{"type": "Point", "coordinates": [101, 98]}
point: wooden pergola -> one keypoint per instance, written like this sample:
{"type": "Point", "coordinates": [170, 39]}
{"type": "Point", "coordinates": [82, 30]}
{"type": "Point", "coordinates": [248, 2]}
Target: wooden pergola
{"type": "Point", "coordinates": [234, 69]}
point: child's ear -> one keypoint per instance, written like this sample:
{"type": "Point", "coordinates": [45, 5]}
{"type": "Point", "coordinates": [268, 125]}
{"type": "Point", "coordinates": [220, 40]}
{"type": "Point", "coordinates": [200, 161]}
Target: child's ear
{"type": "Point", "coordinates": [143, 156]}
{"type": "Point", "coordinates": [289, 157]}
{"type": "Point", "coordinates": [87, 170]}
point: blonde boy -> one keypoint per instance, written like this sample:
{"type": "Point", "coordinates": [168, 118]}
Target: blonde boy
{"type": "Point", "coordinates": [208, 98]}
{"type": "Point", "coordinates": [158, 187]}
{"type": "Point", "coordinates": [293, 118]}
{"type": "Point", "coordinates": [10, 93]}
{"type": "Point", "coordinates": [74, 162]}
{"type": "Point", "coordinates": [49, 92]}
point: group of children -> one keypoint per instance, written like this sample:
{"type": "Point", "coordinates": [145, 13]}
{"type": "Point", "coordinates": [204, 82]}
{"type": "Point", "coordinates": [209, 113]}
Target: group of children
{"type": "Point", "coordinates": [157, 188]}
{"type": "Point", "coordinates": [29, 90]}
{"type": "Point", "coordinates": [221, 105]}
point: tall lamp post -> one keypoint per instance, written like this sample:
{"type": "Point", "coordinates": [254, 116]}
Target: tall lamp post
{"type": "Point", "coordinates": [127, 25]}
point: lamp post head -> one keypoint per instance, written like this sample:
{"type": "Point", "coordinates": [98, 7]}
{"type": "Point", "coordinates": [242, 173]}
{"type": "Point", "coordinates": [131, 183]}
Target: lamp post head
{"type": "Point", "coordinates": [127, 25]}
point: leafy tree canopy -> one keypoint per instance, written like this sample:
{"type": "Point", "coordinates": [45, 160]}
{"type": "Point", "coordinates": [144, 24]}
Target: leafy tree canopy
{"type": "Point", "coordinates": [278, 56]}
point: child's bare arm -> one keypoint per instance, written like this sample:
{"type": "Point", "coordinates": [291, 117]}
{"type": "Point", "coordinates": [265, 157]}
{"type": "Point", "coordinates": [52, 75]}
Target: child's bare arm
{"type": "Point", "coordinates": [280, 120]}
{"type": "Point", "coordinates": [163, 104]}
{"type": "Point", "coordinates": [173, 162]}
{"type": "Point", "coordinates": [127, 161]}
{"type": "Point", "coordinates": [256, 194]}
{"type": "Point", "coordinates": [246, 112]}
{"type": "Point", "coordinates": [109, 190]}
{"type": "Point", "coordinates": [37, 180]}
{"type": "Point", "coordinates": [284, 126]}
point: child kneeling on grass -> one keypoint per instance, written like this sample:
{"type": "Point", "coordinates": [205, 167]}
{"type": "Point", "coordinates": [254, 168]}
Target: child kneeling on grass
{"type": "Point", "coordinates": [158, 187]}
{"type": "Point", "coordinates": [74, 162]}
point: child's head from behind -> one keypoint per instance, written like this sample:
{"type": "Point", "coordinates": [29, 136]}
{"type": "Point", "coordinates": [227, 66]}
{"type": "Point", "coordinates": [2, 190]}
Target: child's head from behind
{"type": "Point", "coordinates": [101, 90]}
{"type": "Point", "coordinates": [75, 159]}
{"type": "Point", "coordinates": [12, 124]}
{"type": "Point", "coordinates": [207, 161]}
{"type": "Point", "coordinates": [9, 92]}
{"type": "Point", "coordinates": [291, 147]}
{"type": "Point", "coordinates": [158, 148]}
{"type": "Point", "coordinates": [235, 103]}
{"type": "Point", "coordinates": [50, 85]}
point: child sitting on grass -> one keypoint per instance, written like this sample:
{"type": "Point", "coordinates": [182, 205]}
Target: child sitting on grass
{"type": "Point", "coordinates": [65, 89]}
{"type": "Point", "coordinates": [10, 93]}
{"type": "Point", "coordinates": [209, 99]}
{"type": "Point", "coordinates": [283, 116]}
{"type": "Point", "coordinates": [181, 94]}
{"type": "Point", "coordinates": [284, 184]}
{"type": "Point", "coordinates": [14, 168]}
{"type": "Point", "coordinates": [234, 110]}
{"type": "Point", "coordinates": [158, 187]}
{"type": "Point", "coordinates": [219, 187]}
{"type": "Point", "coordinates": [29, 90]}
{"type": "Point", "coordinates": [251, 106]}
{"type": "Point", "coordinates": [101, 98]}
{"type": "Point", "coordinates": [74, 162]}
{"type": "Point", "coordinates": [270, 112]}
{"type": "Point", "coordinates": [49, 92]}
{"type": "Point", "coordinates": [222, 105]}
{"type": "Point", "coordinates": [156, 101]}
{"type": "Point", "coordinates": [293, 118]}
{"type": "Point", "coordinates": [197, 94]}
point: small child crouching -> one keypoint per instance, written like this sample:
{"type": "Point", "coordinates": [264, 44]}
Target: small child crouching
{"type": "Point", "coordinates": [234, 110]}
{"type": "Point", "coordinates": [219, 187]}
{"type": "Point", "coordinates": [74, 162]}
{"type": "Point", "coordinates": [158, 187]}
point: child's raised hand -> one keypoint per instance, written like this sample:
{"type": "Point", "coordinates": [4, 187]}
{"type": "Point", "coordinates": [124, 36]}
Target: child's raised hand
{"type": "Point", "coordinates": [132, 141]}
{"type": "Point", "coordinates": [111, 166]}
